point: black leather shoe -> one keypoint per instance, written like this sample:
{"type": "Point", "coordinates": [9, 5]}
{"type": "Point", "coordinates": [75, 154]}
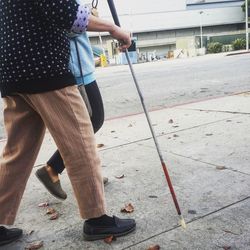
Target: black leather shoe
{"type": "Point", "coordinates": [9, 235]}
{"type": "Point", "coordinates": [118, 227]}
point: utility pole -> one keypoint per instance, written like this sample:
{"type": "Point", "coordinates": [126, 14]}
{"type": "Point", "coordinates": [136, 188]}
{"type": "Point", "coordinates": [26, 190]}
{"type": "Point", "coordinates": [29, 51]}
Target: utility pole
{"type": "Point", "coordinates": [247, 35]}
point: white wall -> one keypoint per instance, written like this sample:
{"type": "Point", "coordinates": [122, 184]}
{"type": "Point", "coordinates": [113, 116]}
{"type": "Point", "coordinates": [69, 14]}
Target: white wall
{"type": "Point", "coordinates": [142, 6]}
{"type": "Point", "coordinates": [167, 15]}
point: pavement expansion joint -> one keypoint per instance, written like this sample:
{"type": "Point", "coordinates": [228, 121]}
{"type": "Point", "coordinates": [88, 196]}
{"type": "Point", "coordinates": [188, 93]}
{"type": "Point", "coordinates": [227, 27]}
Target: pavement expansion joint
{"type": "Point", "coordinates": [219, 111]}
{"type": "Point", "coordinates": [166, 134]}
{"type": "Point", "coordinates": [208, 163]}
{"type": "Point", "coordinates": [189, 222]}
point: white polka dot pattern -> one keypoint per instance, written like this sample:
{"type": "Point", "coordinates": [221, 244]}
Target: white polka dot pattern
{"type": "Point", "coordinates": [81, 23]}
{"type": "Point", "coordinates": [34, 45]}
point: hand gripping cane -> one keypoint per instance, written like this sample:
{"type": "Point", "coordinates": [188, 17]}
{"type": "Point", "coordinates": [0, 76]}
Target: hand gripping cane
{"type": "Point", "coordinates": [116, 20]}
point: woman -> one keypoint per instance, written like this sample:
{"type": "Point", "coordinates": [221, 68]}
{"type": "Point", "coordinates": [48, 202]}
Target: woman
{"type": "Point", "coordinates": [82, 66]}
{"type": "Point", "coordinates": [39, 92]}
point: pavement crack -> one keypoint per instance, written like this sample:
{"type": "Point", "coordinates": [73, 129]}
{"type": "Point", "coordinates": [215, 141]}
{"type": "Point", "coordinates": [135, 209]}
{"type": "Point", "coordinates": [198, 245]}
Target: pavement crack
{"type": "Point", "coordinates": [219, 111]}
{"type": "Point", "coordinates": [208, 163]}
{"type": "Point", "coordinates": [189, 222]}
{"type": "Point", "coordinates": [165, 134]}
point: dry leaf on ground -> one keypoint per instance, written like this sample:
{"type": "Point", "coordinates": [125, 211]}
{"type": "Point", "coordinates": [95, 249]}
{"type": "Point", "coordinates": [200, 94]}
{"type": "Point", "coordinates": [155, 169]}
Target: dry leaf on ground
{"type": "Point", "coordinates": [43, 204]}
{"type": "Point", "coordinates": [120, 176]}
{"type": "Point", "coordinates": [230, 232]}
{"type": "Point", "coordinates": [175, 135]}
{"type": "Point", "coordinates": [54, 216]}
{"type": "Point", "coordinates": [129, 208]}
{"type": "Point", "coordinates": [109, 239]}
{"type": "Point", "coordinates": [156, 247]}
{"type": "Point", "coordinates": [171, 121]}
{"type": "Point", "coordinates": [34, 245]}
{"type": "Point", "coordinates": [100, 145]}
{"type": "Point", "coordinates": [221, 168]}
{"type": "Point", "coordinates": [50, 210]}
{"type": "Point", "coordinates": [130, 125]}
{"type": "Point", "coordinates": [226, 247]}
{"type": "Point", "coordinates": [30, 232]}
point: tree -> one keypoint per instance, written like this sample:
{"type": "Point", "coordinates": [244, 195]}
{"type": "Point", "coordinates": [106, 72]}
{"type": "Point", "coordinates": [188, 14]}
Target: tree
{"type": "Point", "coordinates": [243, 6]}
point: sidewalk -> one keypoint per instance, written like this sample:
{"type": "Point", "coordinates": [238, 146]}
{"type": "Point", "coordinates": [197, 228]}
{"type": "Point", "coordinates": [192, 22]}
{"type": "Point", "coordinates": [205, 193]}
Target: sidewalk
{"type": "Point", "coordinates": [206, 147]}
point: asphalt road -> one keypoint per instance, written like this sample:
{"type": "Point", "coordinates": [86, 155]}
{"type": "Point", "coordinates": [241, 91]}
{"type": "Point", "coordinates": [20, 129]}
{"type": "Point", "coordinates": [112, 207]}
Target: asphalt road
{"type": "Point", "coordinates": [171, 82]}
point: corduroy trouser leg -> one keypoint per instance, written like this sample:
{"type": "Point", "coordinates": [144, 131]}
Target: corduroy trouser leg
{"type": "Point", "coordinates": [64, 113]}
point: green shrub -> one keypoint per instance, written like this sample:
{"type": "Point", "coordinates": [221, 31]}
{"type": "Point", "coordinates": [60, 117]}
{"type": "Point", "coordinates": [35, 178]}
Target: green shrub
{"type": "Point", "coordinates": [214, 47]}
{"type": "Point", "coordinates": [243, 6]}
{"type": "Point", "coordinates": [227, 48]}
{"type": "Point", "coordinates": [239, 43]}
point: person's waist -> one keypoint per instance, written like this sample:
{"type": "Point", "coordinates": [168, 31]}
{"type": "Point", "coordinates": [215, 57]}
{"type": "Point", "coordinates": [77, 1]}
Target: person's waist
{"type": "Point", "coordinates": [86, 79]}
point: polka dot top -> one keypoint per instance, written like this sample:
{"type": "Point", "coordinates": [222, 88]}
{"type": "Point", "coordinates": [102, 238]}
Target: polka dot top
{"type": "Point", "coordinates": [34, 47]}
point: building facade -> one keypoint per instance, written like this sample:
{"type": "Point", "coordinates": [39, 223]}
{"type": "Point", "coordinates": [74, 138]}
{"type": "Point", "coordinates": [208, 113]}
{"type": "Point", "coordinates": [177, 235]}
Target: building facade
{"type": "Point", "coordinates": [159, 26]}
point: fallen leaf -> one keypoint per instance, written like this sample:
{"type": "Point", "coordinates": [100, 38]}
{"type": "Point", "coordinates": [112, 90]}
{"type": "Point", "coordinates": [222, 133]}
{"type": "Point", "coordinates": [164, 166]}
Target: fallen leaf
{"type": "Point", "coordinates": [209, 134]}
{"type": "Point", "coordinates": [113, 131]}
{"type": "Point", "coordinates": [130, 125]}
{"type": "Point", "coordinates": [109, 239]}
{"type": "Point", "coordinates": [175, 126]}
{"type": "Point", "coordinates": [34, 245]}
{"type": "Point", "coordinates": [226, 247]}
{"type": "Point", "coordinates": [128, 208]}
{"type": "Point", "coordinates": [30, 232]}
{"type": "Point", "coordinates": [120, 176]}
{"type": "Point", "coordinates": [43, 204]}
{"type": "Point", "coordinates": [153, 196]}
{"type": "Point", "coordinates": [230, 232]}
{"type": "Point", "coordinates": [221, 168]}
{"type": "Point", "coordinates": [50, 210]}
{"type": "Point", "coordinates": [171, 121]}
{"type": "Point", "coordinates": [100, 145]}
{"type": "Point", "coordinates": [156, 247]}
{"type": "Point", "coordinates": [175, 135]}
{"type": "Point", "coordinates": [54, 216]}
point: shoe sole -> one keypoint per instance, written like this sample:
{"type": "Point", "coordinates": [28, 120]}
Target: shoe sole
{"type": "Point", "coordinates": [5, 242]}
{"type": "Point", "coordinates": [58, 197]}
{"type": "Point", "coordinates": [88, 237]}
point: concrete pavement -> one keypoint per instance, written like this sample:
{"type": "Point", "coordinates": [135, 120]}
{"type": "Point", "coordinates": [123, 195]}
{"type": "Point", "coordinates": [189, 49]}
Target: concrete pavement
{"type": "Point", "coordinates": [206, 147]}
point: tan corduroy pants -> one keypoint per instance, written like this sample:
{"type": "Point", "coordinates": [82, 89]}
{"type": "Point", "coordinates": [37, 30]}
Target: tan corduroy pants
{"type": "Point", "coordinates": [65, 115]}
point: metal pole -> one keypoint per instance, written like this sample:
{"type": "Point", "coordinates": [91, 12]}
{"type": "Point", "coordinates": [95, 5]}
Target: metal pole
{"type": "Point", "coordinates": [247, 35]}
{"type": "Point", "coordinates": [201, 30]}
